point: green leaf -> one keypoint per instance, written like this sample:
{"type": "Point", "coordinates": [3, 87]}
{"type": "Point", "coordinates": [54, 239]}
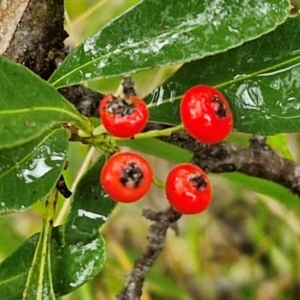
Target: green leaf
{"type": "Point", "coordinates": [279, 142]}
{"type": "Point", "coordinates": [39, 277]}
{"type": "Point", "coordinates": [157, 33]}
{"type": "Point", "coordinates": [90, 207]}
{"type": "Point", "coordinates": [159, 148]}
{"type": "Point", "coordinates": [259, 79]}
{"type": "Point", "coordinates": [267, 188]}
{"type": "Point", "coordinates": [14, 269]}
{"type": "Point", "coordinates": [71, 266]}
{"type": "Point", "coordinates": [29, 172]}
{"type": "Point", "coordinates": [29, 106]}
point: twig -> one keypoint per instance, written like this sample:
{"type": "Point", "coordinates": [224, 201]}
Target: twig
{"type": "Point", "coordinates": [157, 236]}
{"type": "Point", "coordinates": [258, 160]}
{"type": "Point", "coordinates": [85, 100]}
{"type": "Point", "coordinates": [62, 187]}
{"type": "Point", "coordinates": [128, 87]}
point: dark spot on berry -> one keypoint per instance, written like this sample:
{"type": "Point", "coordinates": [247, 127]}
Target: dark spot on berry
{"type": "Point", "coordinates": [197, 181]}
{"type": "Point", "coordinates": [218, 106]}
{"type": "Point", "coordinates": [120, 107]}
{"type": "Point", "coordinates": [132, 175]}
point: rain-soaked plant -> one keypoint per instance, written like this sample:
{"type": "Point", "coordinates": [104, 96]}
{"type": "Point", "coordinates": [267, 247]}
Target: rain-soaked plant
{"type": "Point", "coordinates": [248, 50]}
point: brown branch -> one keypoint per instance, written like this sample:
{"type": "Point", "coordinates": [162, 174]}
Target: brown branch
{"type": "Point", "coordinates": [257, 160]}
{"type": "Point", "coordinates": [157, 237]}
{"type": "Point", "coordinates": [33, 34]}
{"type": "Point", "coordinates": [128, 87]}
{"type": "Point", "coordinates": [85, 100]}
{"type": "Point", "coordinates": [62, 187]}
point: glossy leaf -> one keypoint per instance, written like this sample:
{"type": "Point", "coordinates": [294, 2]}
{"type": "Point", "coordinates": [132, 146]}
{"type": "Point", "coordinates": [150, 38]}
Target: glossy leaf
{"type": "Point", "coordinates": [71, 266]}
{"type": "Point", "coordinates": [157, 33]}
{"type": "Point", "coordinates": [90, 207]}
{"type": "Point", "coordinates": [259, 79]}
{"type": "Point", "coordinates": [29, 106]}
{"type": "Point", "coordinates": [29, 172]}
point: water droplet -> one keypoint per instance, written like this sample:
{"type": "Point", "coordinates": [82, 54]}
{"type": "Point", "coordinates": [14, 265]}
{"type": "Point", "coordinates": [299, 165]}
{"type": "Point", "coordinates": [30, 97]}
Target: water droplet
{"type": "Point", "coordinates": [157, 96]}
{"type": "Point", "coordinates": [80, 276]}
{"type": "Point", "coordinates": [37, 169]}
{"type": "Point", "coordinates": [90, 215]}
{"type": "Point", "coordinates": [90, 46]}
{"type": "Point", "coordinates": [231, 29]}
{"type": "Point", "coordinates": [250, 96]}
{"type": "Point", "coordinates": [57, 156]}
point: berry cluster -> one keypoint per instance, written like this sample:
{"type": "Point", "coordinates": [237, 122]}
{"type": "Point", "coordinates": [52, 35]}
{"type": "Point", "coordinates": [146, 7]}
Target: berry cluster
{"type": "Point", "coordinates": [127, 177]}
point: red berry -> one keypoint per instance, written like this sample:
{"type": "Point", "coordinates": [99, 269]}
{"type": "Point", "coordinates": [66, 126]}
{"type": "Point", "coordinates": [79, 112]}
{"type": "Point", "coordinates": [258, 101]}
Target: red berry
{"type": "Point", "coordinates": [188, 189]}
{"type": "Point", "coordinates": [126, 177]}
{"type": "Point", "coordinates": [205, 114]}
{"type": "Point", "coordinates": [123, 117]}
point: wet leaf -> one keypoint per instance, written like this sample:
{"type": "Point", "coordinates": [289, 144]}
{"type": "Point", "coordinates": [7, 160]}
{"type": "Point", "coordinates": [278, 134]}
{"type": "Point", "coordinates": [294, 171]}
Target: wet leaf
{"type": "Point", "coordinates": [157, 33]}
{"type": "Point", "coordinates": [29, 172]}
{"type": "Point", "coordinates": [90, 207]}
{"type": "Point", "coordinates": [259, 79]}
{"type": "Point", "coordinates": [29, 106]}
{"type": "Point", "coordinates": [71, 266]}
